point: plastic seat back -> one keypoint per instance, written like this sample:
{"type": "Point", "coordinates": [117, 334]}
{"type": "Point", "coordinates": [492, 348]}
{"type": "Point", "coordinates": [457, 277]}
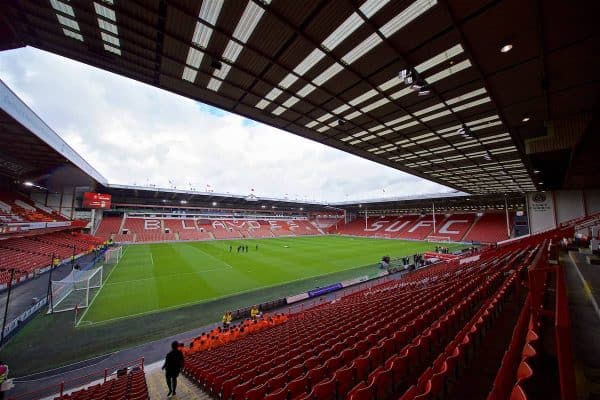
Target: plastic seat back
{"type": "Point", "coordinates": [256, 393]}
{"type": "Point", "coordinates": [344, 379]}
{"type": "Point", "coordinates": [361, 392]}
{"type": "Point", "coordinates": [298, 386]}
{"type": "Point", "coordinates": [325, 390]}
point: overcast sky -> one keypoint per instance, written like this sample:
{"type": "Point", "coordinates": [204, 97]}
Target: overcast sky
{"type": "Point", "coordinates": [133, 133]}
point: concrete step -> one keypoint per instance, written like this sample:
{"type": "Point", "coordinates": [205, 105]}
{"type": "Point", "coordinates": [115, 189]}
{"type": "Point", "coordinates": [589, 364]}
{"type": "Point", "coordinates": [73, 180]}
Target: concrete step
{"type": "Point", "coordinates": [157, 386]}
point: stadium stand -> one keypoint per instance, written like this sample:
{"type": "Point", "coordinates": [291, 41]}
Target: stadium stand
{"type": "Point", "coordinates": [411, 338]}
{"type": "Point", "coordinates": [303, 227]}
{"type": "Point", "coordinates": [141, 229]}
{"type": "Point", "coordinates": [327, 221]}
{"type": "Point", "coordinates": [422, 227]}
{"type": "Point", "coordinates": [17, 208]}
{"type": "Point", "coordinates": [489, 228]}
{"type": "Point", "coordinates": [262, 231]}
{"type": "Point", "coordinates": [147, 229]}
{"type": "Point", "coordinates": [31, 253]}
{"type": "Point", "coordinates": [454, 227]}
{"type": "Point", "coordinates": [221, 230]}
{"type": "Point", "coordinates": [185, 229]}
{"type": "Point", "coordinates": [109, 226]}
{"type": "Point", "coordinates": [130, 386]}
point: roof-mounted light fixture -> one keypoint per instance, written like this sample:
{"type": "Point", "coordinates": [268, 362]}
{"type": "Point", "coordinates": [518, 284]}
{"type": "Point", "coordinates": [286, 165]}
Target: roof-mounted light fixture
{"type": "Point", "coordinates": [411, 78]}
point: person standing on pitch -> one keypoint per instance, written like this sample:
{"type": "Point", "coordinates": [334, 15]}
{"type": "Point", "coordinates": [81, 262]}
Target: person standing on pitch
{"type": "Point", "coordinates": [172, 366]}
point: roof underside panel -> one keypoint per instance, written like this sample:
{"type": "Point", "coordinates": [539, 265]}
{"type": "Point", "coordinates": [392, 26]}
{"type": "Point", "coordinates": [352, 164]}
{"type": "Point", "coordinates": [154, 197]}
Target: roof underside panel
{"type": "Point", "coordinates": [328, 71]}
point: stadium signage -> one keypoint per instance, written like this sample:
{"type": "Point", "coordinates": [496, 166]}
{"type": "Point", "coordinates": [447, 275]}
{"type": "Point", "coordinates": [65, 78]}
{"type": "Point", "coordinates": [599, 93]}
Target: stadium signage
{"type": "Point", "coordinates": [96, 200]}
{"type": "Point", "coordinates": [324, 290]}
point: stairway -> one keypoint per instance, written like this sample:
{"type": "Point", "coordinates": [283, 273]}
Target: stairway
{"type": "Point", "coordinates": [122, 224]}
{"type": "Point", "coordinates": [157, 387]}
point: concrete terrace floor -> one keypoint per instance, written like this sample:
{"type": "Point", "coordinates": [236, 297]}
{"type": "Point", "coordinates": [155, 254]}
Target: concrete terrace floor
{"type": "Point", "coordinates": [583, 283]}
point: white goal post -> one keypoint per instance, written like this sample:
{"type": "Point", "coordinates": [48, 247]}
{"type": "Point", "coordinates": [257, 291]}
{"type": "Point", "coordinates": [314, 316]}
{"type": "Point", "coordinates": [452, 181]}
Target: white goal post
{"type": "Point", "coordinates": [113, 255]}
{"type": "Point", "coordinates": [75, 290]}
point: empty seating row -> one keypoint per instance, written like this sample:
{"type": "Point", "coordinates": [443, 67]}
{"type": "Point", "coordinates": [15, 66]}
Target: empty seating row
{"type": "Point", "coordinates": [139, 229]}
{"type": "Point", "coordinates": [489, 228]}
{"type": "Point", "coordinates": [17, 208]}
{"type": "Point", "coordinates": [30, 253]}
{"type": "Point", "coordinates": [131, 386]}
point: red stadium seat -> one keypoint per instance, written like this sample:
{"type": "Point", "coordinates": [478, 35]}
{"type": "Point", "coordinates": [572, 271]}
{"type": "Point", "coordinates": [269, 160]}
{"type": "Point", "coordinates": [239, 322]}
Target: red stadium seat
{"type": "Point", "coordinates": [277, 382]}
{"type": "Point", "coordinates": [361, 392]}
{"type": "Point", "coordinates": [324, 390]}
{"type": "Point", "coordinates": [344, 378]}
{"type": "Point", "coordinates": [316, 375]}
{"type": "Point", "coordinates": [281, 394]}
{"type": "Point", "coordinates": [298, 386]}
{"type": "Point", "coordinates": [518, 394]}
{"type": "Point", "coordinates": [256, 393]}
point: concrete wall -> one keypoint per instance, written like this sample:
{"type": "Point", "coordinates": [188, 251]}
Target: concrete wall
{"type": "Point", "coordinates": [569, 205]}
{"type": "Point", "coordinates": [592, 201]}
{"type": "Point", "coordinates": [549, 209]}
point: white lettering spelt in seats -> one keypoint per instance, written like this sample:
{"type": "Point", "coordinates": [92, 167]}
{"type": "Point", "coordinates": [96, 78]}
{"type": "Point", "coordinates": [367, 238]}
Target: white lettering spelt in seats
{"type": "Point", "coordinates": [396, 226]}
{"type": "Point", "coordinates": [253, 224]}
{"type": "Point", "coordinates": [274, 225]}
{"type": "Point", "coordinates": [375, 226]}
{"type": "Point", "coordinates": [150, 224]}
{"type": "Point", "coordinates": [444, 229]}
{"type": "Point", "coordinates": [420, 224]}
{"type": "Point", "coordinates": [185, 226]}
{"type": "Point", "coordinates": [218, 224]}
{"type": "Point", "coordinates": [293, 226]}
{"type": "Point", "coordinates": [236, 224]}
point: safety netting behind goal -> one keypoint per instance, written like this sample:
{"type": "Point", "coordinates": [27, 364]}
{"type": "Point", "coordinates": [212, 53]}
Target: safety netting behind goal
{"type": "Point", "coordinates": [76, 290]}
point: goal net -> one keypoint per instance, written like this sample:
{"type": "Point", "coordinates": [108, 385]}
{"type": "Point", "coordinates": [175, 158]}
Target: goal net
{"type": "Point", "coordinates": [113, 255]}
{"type": "Point", "coordinates": [431, 238]}
{"type": "Point", "coordinates": [75, 290]}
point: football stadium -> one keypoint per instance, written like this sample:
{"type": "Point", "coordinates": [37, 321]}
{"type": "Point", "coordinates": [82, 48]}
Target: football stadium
{"type": "Point", "coordinates": [444, 242]}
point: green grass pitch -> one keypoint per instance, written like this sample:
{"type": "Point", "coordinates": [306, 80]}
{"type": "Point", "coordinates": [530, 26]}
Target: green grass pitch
{"type": "Point", "coordinates": [154, 277]}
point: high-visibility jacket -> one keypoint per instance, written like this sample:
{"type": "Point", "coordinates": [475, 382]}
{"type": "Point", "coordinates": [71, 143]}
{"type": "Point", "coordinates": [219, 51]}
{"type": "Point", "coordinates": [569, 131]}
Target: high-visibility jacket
{"type": "Point", "coordinates": [3, 373]}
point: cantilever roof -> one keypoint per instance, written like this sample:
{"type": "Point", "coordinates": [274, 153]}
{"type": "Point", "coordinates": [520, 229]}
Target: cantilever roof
{"type": "Point", "coordinates": [328, 70]}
